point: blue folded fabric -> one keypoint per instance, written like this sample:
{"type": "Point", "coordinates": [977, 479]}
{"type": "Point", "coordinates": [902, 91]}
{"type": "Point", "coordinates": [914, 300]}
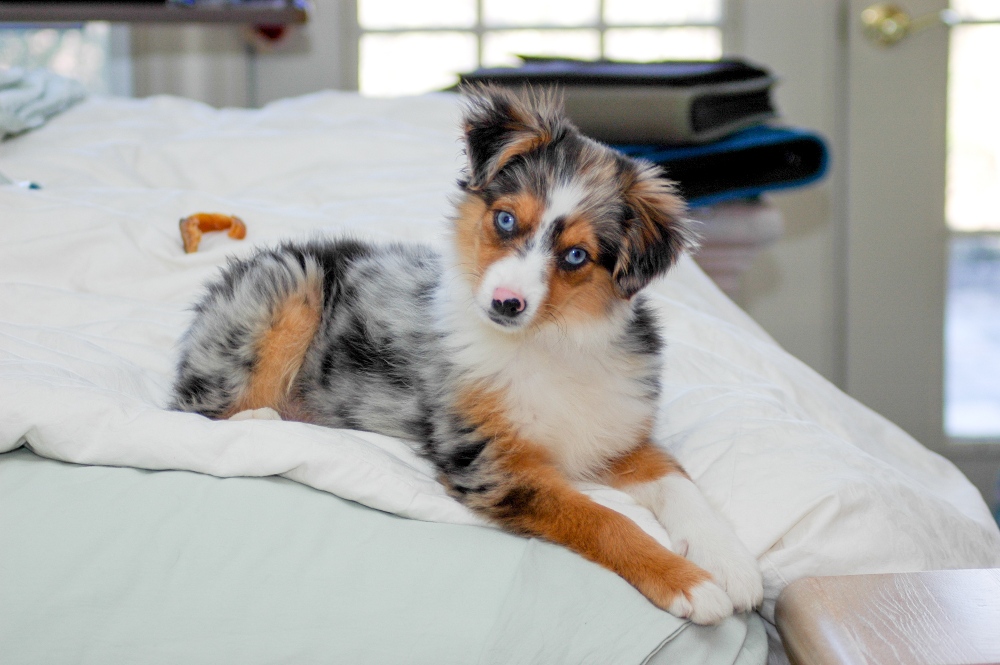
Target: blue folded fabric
{"type": "Point", "coordinates": [30, 97]}
{"type": "Point", "coordinates": [741, 166]}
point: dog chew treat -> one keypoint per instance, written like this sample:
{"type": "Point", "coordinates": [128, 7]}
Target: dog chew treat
{"type": "Point", "coordinates": [202, 222]}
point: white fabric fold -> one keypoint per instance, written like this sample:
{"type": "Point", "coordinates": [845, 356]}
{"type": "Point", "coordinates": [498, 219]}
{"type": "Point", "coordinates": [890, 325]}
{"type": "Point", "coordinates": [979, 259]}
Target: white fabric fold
{"type": "Point", "coordinates": [29, 97]}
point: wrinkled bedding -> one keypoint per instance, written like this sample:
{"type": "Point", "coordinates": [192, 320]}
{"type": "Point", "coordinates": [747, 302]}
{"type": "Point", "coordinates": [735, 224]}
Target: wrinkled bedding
{"type": "Point", "coordinates": [95, 290]}
{"type": "Point", "coordinates": [115, 565]}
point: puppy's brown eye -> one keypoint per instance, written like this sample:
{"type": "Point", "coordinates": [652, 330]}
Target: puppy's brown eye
{"type": "Point", "coordinates": [505, 222]}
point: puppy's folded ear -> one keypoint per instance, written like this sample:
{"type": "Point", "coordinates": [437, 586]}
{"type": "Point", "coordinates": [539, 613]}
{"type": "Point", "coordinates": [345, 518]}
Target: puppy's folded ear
{"type": "Point", "coordinates": [500, 124]}
{"type": "Point", "coordinates": [655, 231]}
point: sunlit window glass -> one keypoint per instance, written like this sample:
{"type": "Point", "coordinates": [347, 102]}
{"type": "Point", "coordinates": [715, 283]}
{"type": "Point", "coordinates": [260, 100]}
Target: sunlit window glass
{"type": "Point", "coordinates": [414, 62]}
{"type": "Point", "coordinates": [664, 12]}
{"type": "Point", "coordinates": [539, 13]}
{"type": "Point", "coordinates": [972, 310]}
{"type": "Point", "coordinates": [972, 338]}
{"type": "Point", "coordinates": [79, 53]}
{"type": "Point", "coordinates": [389, 14]}
{"type": "Point", "coordinates": [410, 47]}
{"type": "Point", "coordinates": [973, 131]}
{"type": "Point", "coordinates": [649, 44]}
{"type": "Point", "coordinates": [979, 10]}
{"type": "Point", "coordinates": [503, 47]}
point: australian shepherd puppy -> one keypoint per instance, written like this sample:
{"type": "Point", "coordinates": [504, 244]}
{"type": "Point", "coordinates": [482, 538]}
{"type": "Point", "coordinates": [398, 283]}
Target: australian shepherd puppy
{"type": "Point", "coordinates": [522, 361]}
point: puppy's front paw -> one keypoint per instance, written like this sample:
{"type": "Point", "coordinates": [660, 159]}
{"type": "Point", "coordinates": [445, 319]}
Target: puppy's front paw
{"type": "Point", "coordinates": [677, 585]}
{"type": "Point", "coordinates": [732, 568]}
{"type": "Point", "coordinates": [707, 540]}
{"type": "Point", "coordinates": [704, 604]}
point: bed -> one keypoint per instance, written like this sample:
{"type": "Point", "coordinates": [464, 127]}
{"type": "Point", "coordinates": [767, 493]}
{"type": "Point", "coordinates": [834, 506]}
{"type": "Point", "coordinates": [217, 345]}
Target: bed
{"type": "Point", "coordinates": [129, 533]}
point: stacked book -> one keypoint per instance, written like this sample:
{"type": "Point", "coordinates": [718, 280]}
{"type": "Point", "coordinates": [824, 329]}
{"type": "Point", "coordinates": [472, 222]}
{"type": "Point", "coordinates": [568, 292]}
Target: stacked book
{"type": "Point", "coordinates": [705, 122]}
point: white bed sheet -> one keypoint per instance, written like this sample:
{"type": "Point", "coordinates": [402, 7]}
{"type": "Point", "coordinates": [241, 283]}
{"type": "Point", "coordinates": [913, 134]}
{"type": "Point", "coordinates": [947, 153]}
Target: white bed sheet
{"type": "Point", "coordinates": [95, 290]}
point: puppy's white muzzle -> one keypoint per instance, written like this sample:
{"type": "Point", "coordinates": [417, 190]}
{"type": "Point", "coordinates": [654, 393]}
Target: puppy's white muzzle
{"type": "Point", "coordinates": [513, 289]}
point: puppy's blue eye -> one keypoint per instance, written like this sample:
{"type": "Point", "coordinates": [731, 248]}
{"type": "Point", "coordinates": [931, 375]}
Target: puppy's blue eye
{"type": "Point", "coordinates": [504, 221]}
{"type": "Point", "coordinates": [575, 257]}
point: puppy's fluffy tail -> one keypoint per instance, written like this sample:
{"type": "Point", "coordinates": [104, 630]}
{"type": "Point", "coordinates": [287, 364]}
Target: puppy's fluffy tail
{"type": "Point", "coordinates": [250, 334]}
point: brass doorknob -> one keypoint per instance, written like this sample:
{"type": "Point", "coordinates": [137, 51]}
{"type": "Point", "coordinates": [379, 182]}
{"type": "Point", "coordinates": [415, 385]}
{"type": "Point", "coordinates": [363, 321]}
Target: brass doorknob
{"type": "Point", "coordinates": [886, 24]}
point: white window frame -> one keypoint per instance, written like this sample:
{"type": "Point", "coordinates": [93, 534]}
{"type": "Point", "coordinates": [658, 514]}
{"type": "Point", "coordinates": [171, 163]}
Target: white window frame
{"type": "Point", "coordinates": [479, 29]}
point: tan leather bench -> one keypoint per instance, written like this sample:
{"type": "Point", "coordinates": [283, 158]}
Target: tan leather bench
{"type": "Point", "coordinates": [942, 617]}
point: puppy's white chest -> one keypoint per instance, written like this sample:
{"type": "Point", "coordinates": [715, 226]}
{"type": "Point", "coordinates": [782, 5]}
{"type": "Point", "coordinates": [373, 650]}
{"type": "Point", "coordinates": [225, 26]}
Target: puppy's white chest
{"type": "Point", "coordinates": [584, 410]}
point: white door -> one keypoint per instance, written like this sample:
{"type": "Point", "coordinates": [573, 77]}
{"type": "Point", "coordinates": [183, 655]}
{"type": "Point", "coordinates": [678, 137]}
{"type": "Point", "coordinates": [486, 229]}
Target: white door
{"type": "Point", "coordinates": [897, 237]}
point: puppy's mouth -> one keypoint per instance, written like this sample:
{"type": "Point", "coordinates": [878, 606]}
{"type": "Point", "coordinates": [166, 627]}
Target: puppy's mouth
{"type": "Point", "coordinates": [504, 321]}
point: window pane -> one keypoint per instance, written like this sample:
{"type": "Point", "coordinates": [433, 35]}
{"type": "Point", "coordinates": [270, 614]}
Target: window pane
{"type": "Point", "coordinates": [973, 132]}
{"type": "Point", "coordinates": [646, 44]}
{"type": "Point", "coordinates": [79, 53]}
{"type": "Point", "coordinates": [972, 338]}
{"type": "Point", "coordinates": [414, 62]}
{"type": "Point", "coordinates": [646, 12]}
{"type": "Point", "coordinates": [977, 9]}
{"type": "Point", "coordinates": [389, 14]}
{"type": "Point", "coordinates": [503, 47]}
{"type": "Point", "coordinates": [539, 12]}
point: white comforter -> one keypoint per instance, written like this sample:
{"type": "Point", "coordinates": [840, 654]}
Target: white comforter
{"type": "Point", "coordinates": [95, 290]}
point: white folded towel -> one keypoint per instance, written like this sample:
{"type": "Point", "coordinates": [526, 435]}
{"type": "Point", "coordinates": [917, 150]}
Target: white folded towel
{"type": "Point", "coordinates": [30, 97]}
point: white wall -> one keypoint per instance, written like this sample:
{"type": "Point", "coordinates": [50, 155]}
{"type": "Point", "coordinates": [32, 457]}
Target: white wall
{"type": "Point", "coordinates": [796, 288]}
{"type": "Point", "coordinates": [318, 56]}
{"type": "Point", "coordinates": [204, 62]}
{"type": "Point", "coordinates": [230, 66]}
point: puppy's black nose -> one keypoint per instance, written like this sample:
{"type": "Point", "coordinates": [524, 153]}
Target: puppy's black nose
{"type": "Point", "coordinates": [509, 308]}
{"type": "Point", "coordinates": [507, 302]}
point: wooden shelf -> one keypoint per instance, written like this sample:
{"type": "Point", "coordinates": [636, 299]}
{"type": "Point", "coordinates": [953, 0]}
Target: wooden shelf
{"type": "Point", "coordinates": [257, 12]}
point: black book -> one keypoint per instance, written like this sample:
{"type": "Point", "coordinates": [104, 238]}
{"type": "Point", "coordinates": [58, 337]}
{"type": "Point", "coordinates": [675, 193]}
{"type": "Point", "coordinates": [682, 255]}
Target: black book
{"type": "Point", "coordinates": [651, 102]}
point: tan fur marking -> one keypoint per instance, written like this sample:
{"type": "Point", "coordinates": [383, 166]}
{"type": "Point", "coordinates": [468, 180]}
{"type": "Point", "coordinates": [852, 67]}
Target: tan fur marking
{"type": "Point", "coordinates": [281, 350]}
{"type": "Point", "coordinates": [527, 208]}
{"type": "Point", "coordinates": [534, 498]}
{"type": "Point", "coordinates": [657, 205]}
{"type": "Point", "coordinates": [486, 409]}
{"type": "Point", "coordinates": [476, 239]}
{"type": "Point", "coordinates": [644, 463]}
{"type": "Point", "coordinates": [527, 131]}
{"type": "Point", "coordinates": [468, 222]}
{"type": "Point", "coordinates": [523, 142]}
{"type": "Point", "coordinates": [587, 292]}
{"type": "Point", "coordinates": [654, 198]}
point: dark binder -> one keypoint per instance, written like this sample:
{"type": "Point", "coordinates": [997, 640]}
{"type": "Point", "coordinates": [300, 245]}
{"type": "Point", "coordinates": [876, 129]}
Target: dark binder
{"type": "Point", "coordinates": [656, 102]}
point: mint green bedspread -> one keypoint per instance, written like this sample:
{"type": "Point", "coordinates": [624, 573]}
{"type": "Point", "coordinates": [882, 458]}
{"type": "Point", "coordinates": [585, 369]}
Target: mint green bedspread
{"type": "Point", "coordinates": [112, 565]}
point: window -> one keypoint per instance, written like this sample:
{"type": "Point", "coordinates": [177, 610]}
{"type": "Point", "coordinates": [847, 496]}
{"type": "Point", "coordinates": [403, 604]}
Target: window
{"type": "Point", "coordinates": [972, 310]}
{"type": "Point", "coordinates": [412, 47]}
{"type": "Point", "coordinates": [81, 52]}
